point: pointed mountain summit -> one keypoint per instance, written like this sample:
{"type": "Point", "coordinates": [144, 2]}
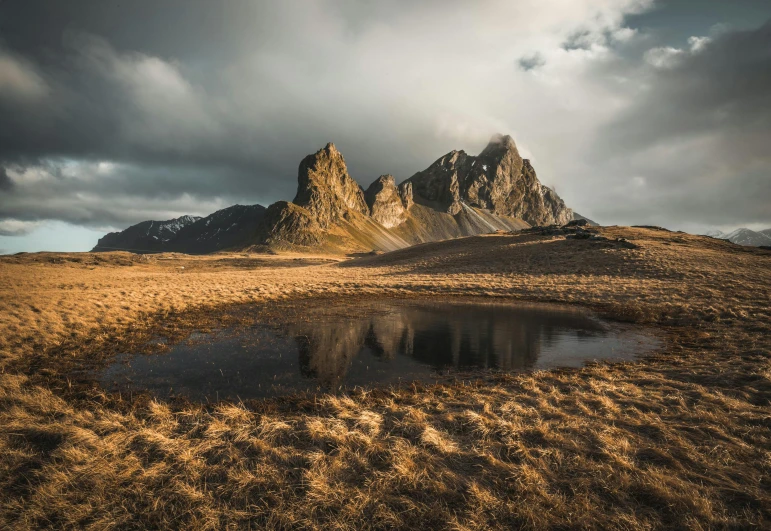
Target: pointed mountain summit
{"type": "Point", "coordinates": [325, 189]}
{"type": "Point", "coordinates": [498, 180]}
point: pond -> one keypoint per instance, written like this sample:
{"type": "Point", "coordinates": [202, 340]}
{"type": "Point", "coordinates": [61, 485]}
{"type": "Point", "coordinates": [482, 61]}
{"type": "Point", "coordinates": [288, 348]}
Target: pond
{"type": "Point", "coordinates": [387, 343]}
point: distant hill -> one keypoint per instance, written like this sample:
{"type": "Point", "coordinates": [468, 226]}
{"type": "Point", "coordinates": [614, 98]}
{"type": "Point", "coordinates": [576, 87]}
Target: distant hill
{"type": "Point", "coordinates": [147, 236]}
{"type": "Point", "coordinates": [227, 228]}
{"type": "Point", "coordinates": [744, 236]}
{"type": "Point", "coordinates": [458, 195]}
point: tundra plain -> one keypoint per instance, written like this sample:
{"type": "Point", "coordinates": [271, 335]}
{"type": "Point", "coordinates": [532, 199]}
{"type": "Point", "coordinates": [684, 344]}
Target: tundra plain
{"type": "Point", "coordinates": [680, 440]}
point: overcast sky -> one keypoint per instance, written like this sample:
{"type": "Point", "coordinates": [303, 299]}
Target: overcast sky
{"type": "Point", "coordinates": [637, 111]}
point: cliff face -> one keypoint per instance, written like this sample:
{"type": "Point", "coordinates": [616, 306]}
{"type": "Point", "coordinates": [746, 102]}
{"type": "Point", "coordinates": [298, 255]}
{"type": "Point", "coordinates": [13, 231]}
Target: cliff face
{"type": "Point", "coordinates": [387, 202]}
{"type": "Point", "coordinates": [498, 179]}
{"type": "Point", "coordinates": [325, 189]}
{"type": "Point", "coordinates": [287, 223]}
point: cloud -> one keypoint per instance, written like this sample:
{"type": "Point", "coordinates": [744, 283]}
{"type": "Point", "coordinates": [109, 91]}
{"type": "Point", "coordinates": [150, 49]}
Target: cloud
{"type": "Point", "coordinates": [190, 106]}
{"type": "Point", "coordinates": [161, 110]}
{"type": "Point", "coordinates": [104, 194]}
{"type": "Point", "coordinates": [669, 57]}
{"type": "Point", "coordinates": [698, 134]}
{"type": "Point", "coordinates": [19, 80]}
{"type": "Point", "coordinates": [697, 44]}
{"type": "Point", "coordinates": [717, 88]}
{"type": "Point", "coordinates": [15, 227]}
{"type": "Point", "coordinates": [663, 56]}
{"type": "Point", "coordinates": [382, 83]}
{"type": "Point", "coordinates": [531, 62]}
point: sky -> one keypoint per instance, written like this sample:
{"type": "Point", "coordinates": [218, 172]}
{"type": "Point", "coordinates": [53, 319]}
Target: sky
{"type": "Point", "coordinates": [636, 111]}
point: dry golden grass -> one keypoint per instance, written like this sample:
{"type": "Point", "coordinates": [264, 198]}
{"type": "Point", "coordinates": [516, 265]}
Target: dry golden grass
{"type": "Point", "coordinates": [681, 440]}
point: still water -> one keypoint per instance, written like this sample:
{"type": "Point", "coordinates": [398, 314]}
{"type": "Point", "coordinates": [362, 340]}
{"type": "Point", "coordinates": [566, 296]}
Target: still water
{"type": "Point", "coordinates": [377, 344]}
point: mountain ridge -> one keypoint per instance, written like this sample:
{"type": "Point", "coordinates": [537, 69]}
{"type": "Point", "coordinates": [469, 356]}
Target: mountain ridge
{"type": "Point", "coordinates": [457, 195]}
{"type": "Point", "coordinates": [744, 236]}
{"type": "Point", "coordinates": [225, 228]}
{"type": "Point", "coordinates": [148, 235]}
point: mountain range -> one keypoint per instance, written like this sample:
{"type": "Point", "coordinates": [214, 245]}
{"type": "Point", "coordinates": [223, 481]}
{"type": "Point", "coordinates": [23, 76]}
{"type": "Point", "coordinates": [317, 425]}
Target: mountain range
{"type": "Point", "coordinates": [458, 195]}
{"type": "Point", "coordinates": [744, 236]}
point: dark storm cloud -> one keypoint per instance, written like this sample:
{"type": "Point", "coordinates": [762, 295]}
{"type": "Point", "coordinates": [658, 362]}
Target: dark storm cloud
{"type": "Point", "coordinates": [676, 20]}
{"type": "Point", "coordinates": [114, 112]}
{"type": "Point", "coordinates": [725, 84]}
{"type": "Point", "coordinates": [698, 137]}
{"type": "Point", "coordinates": [99, 194]}
{"type": "Point", "coordinates": [181, 127]}
{"type": "Point", "coordinates": [158, 83]}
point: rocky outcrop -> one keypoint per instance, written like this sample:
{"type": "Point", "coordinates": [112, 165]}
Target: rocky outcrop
{"type": "Point", "coordinates": [326, 190]}
{"type": "Point", "coordinates": [385, 201]}
{"type": "Point", "coordinates": [577, 216]}
{"type": "Point", "coordinates": [289, 224]}
{"type": "Point", "coordinates": [499, 180]}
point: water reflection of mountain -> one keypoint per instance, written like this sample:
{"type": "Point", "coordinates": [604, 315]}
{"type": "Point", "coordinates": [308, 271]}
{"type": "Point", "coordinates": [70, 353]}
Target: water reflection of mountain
{"type": "Point", "coordinates": [440, 335]}
{"type": "Point", "coordinates": [384, 344]}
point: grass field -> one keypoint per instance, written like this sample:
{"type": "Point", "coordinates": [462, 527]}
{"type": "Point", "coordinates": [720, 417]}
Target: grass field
{"type": "Point", "coordinates": [680, 440]}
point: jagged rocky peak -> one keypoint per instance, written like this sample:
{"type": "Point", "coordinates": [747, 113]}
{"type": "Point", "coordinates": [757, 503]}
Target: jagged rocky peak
{"type": "Point", "coordinates": [387, 202]}
{"type": "Point", "coordinates": [498, 179]}
{"type": "Point", "coordinates": [325, 188]}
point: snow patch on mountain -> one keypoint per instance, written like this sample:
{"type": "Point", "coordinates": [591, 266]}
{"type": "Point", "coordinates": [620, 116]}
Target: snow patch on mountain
{"type": "Point", "coordinates": [743, 236]}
